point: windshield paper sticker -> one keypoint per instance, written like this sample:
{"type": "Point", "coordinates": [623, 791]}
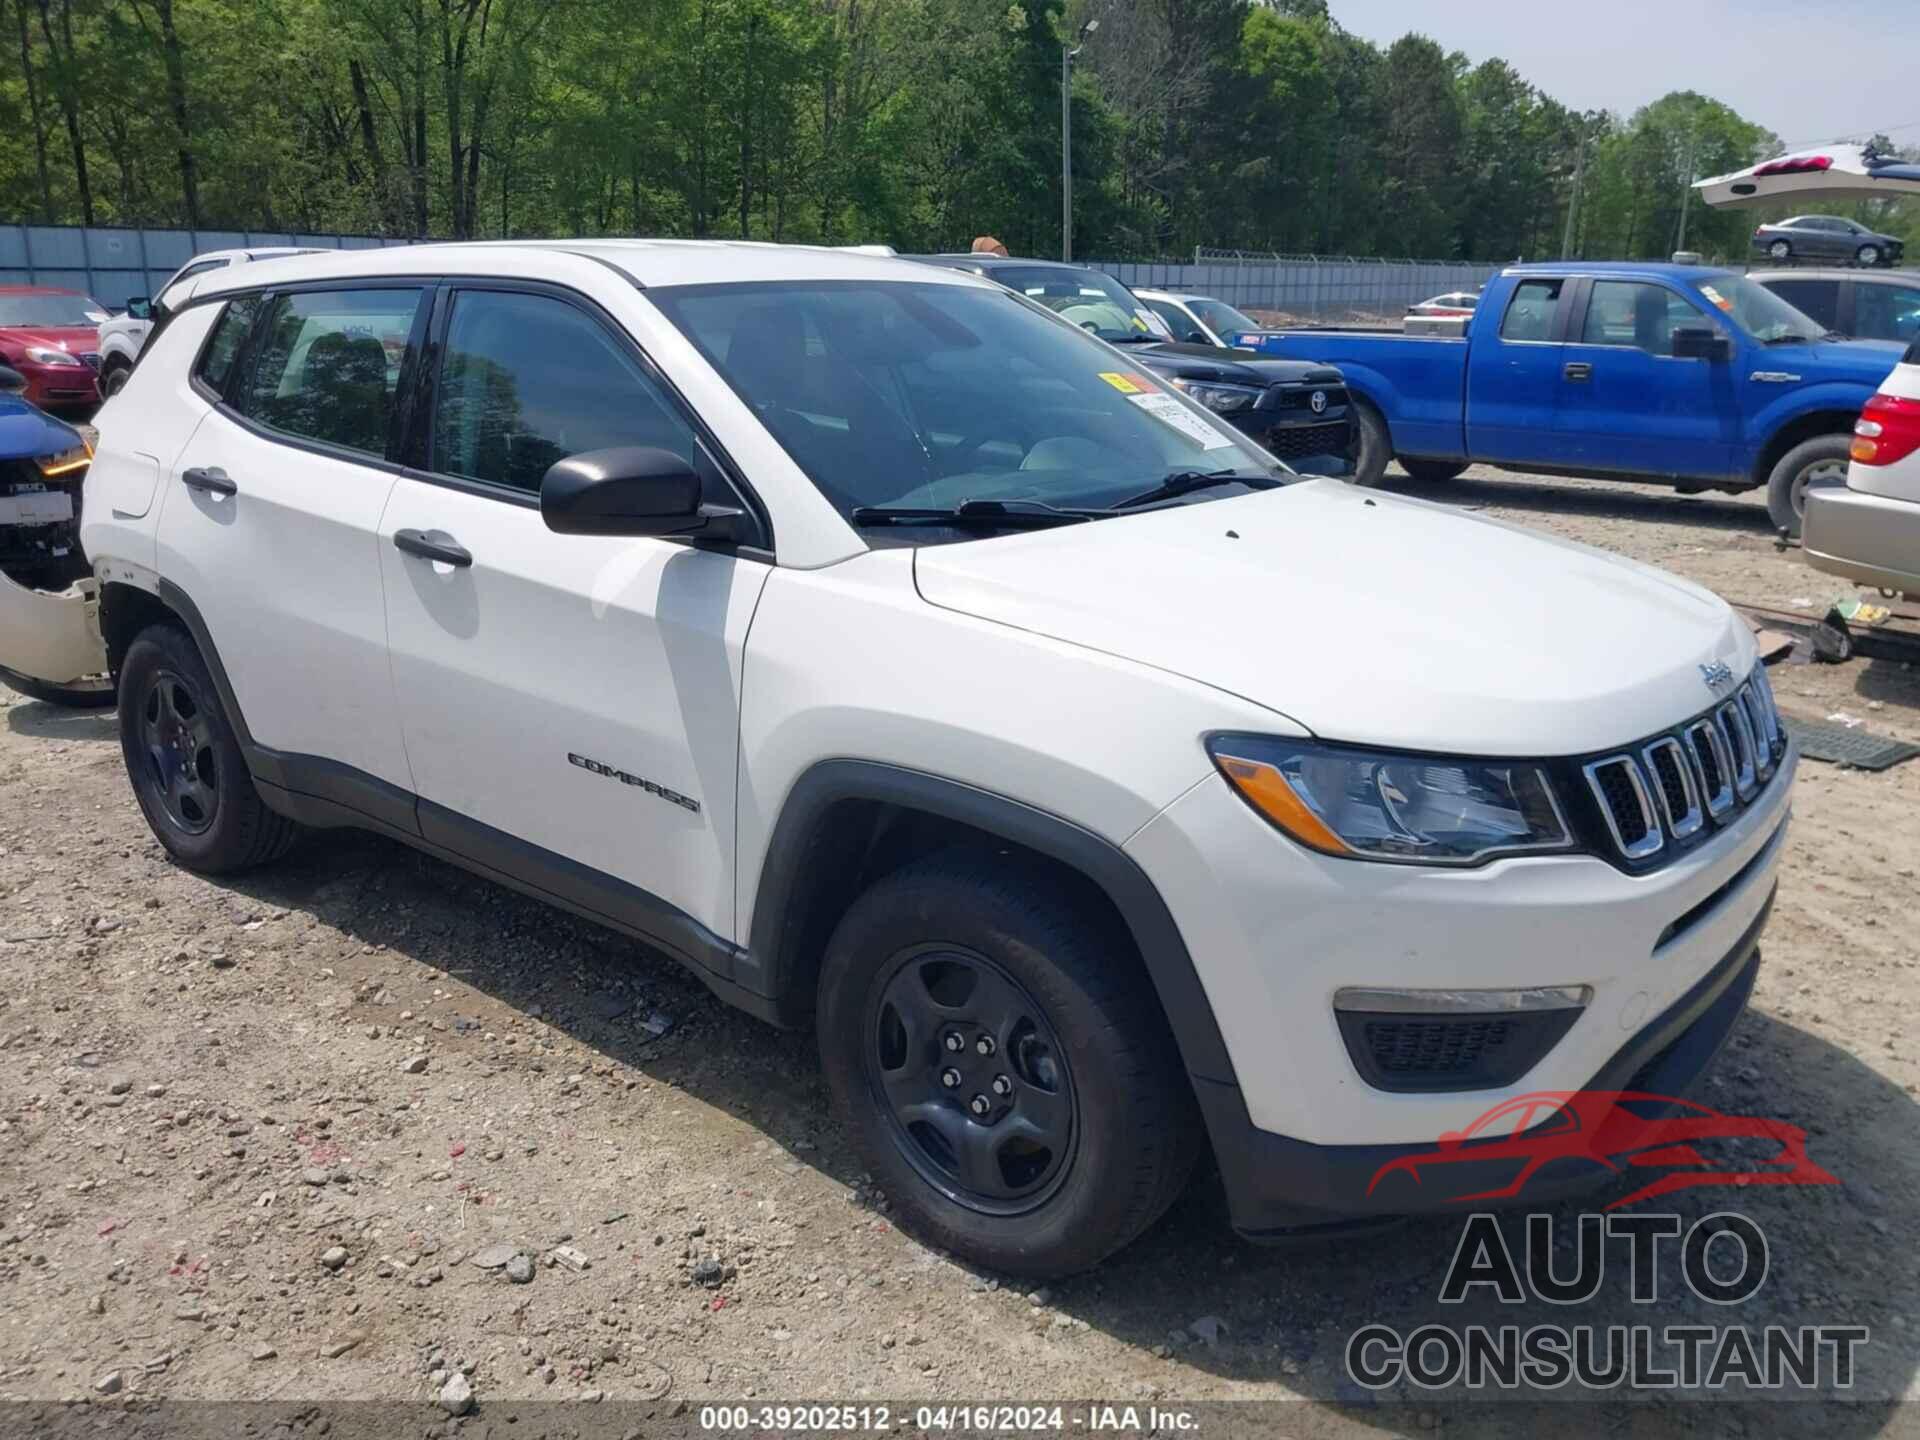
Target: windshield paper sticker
{"type": "Point", "coordinates": [1170, 411]}
{"type": "Point", "coordinates": [1125, 384]}
{"type": "Point", "coordinates": [1716, 297]}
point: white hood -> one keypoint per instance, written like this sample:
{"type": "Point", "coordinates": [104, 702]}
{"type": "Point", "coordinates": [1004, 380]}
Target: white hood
{"type": "Point", "coordinates": [1366, 617]}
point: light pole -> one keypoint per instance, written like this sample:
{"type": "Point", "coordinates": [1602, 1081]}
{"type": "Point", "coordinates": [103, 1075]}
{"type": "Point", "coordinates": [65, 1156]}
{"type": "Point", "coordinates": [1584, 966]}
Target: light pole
{"type": "Point", "coordinates": [1067, 52]}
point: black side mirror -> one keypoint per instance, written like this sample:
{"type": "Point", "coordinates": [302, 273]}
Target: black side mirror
{"type": "Point", "coordinates": [12, 382]}
{"type": "Point", "coordinates": [1700, 342]}
{"type": "Point", "coordinates": [631, 490]}
{"type": "Point", "coordinates": [140, 307]}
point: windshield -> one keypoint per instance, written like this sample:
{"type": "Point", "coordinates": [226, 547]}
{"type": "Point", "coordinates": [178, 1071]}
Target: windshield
{"type": "Point", "coordinates": [902, 394]}
{"type": "Point", "coordinates": [1758, 311]}
{"type": "Point", "coordinates": [1222, 318]}
{"type": "Point", "coordinates": [1091, 300]}
{"type": "Point", "coordinates": [51, 311]}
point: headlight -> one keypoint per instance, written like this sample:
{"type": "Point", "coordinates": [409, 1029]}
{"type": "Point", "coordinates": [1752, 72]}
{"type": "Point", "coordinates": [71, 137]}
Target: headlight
{"type": "Point", "coordinates": [1221, 399]}
{"type": "Point", "coordinates": [1411, 809]}
{"type": "Point", "coordinates": [47, 355]}
{"type": "Point", "coordinates": [66, 462]}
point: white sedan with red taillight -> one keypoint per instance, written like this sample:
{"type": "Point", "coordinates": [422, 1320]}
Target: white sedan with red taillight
{"type": "Point", "coordinates": [1870, 531]}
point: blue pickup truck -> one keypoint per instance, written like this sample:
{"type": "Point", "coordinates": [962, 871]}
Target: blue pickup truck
{"type": "Point", "coordinates": [1673, 374]}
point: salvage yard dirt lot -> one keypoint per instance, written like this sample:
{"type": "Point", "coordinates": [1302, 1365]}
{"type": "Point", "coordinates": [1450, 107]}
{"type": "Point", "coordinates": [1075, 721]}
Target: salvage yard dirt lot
{"type": "Point", "coordinates": [255, 1133]}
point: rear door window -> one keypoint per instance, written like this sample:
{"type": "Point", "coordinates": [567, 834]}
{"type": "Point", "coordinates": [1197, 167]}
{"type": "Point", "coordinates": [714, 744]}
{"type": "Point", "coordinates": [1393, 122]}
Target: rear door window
{"type": "Point", "coordinates": [1886, 312]}
{"type": "Point", "coordinates": [1532, 311]}
{"type": "Point", "coordinates": [329, 365]}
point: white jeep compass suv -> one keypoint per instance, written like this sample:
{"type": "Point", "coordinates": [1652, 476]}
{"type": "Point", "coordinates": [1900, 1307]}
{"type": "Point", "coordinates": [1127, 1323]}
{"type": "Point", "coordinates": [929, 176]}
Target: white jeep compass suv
{"type": "Point", "coordinates": [908, 663]}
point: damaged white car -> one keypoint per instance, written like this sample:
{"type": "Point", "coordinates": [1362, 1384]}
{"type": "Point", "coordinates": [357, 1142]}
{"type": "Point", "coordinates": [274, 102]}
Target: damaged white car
{"type": "Point", "coordinates": [50, 645]}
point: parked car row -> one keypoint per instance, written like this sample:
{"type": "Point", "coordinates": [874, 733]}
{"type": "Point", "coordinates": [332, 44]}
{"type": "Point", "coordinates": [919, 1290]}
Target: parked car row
{"type": "Point", "coordinates": [848, 629]}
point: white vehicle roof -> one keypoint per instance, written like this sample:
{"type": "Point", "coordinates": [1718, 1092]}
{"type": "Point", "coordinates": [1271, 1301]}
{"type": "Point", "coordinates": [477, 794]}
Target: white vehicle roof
{"type": "Point", "coordinates": [646, 262]}
{"type": "Point", "coordinates": [1178, 297]}
{"type": "Point", "coordinates": [1817, 173]}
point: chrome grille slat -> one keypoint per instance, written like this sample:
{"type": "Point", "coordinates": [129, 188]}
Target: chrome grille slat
{"type": "Point", "coordinates": [1762, 741]}
{"type": "Point", "coordinates": [1713, 764]}
{"type": "Point", "coordinates": [1732, 719]}
{"type": "Point", "coordinates": [1648, 838]}
{"type": "Point", "coordinates": [1667, 764]}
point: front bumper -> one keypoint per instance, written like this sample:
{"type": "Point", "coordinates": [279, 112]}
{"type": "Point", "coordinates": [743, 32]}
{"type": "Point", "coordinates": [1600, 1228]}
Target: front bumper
{"type": "Point", "coordinates": [51, 637]}
{"type": "Point", "coordinates": [1869, 539]}
{"type": "Point", "coordinates": [1276, 933]}
{"type": "Point", "coordinates": [58, 387]}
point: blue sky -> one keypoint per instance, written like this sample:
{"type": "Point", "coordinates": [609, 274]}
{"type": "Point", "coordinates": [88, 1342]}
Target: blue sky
{"type": "Point", "coordinates": [1806, 69]}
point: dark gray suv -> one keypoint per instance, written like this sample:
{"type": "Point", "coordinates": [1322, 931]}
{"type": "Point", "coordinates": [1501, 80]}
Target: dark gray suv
{"type": "Point", "coordinates": [1825, 237]}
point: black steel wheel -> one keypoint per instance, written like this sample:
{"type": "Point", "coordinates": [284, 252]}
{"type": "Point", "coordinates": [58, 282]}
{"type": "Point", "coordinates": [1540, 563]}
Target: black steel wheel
{"type": "Point", "coordinates": [184, 760]}
{"type": "Point", "coordinates": [176, 735]}
{"type": "Point", "coordinates": [965, 1062]}
{"type": "Point", "coordinates": [999, 1056]}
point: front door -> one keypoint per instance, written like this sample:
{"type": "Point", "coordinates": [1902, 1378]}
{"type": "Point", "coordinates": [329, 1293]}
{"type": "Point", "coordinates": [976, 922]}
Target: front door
{"type": "Point", "coordinates": [270, 518]}
{"type": "Point", "coordinates": [1628, 404]}
{"type": "Point", "coordinates": [568, 701]}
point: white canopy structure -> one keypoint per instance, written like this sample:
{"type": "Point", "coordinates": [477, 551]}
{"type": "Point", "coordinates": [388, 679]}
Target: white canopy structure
{"type": "Point", "coordinates": [1818, 173]}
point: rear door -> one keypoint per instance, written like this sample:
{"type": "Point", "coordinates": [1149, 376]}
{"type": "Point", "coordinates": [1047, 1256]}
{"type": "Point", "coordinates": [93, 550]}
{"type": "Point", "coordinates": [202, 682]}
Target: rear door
{"type": "Point", "coordinates": [1628, 404]}
{"type": "Point", "coordinates": [568, 700]}
{"type": "Point", "coordinates": [1513, 376]}
{"type": "Point", "coordinates": [271, 518]}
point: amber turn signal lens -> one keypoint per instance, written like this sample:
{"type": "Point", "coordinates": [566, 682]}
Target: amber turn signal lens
{"type": "Point", "coordinates": [1262, 786]}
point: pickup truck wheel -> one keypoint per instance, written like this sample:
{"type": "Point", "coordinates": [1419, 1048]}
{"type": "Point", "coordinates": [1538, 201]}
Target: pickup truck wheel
{"type": "Point", "coordinates": [1372, 446]}
{"type": "Point", "coordinates": [185, 763]}
{"type": "Point", "coordinates": [1009, 1081]}
{"type": "Point", "coordinates": [113, 376]}
{"type": "Point", "coordinates": [1814, 463]}
{"type": "Point", "coordinates": [1780, 250]}
{"type": "Point", "coordinates": [1431, 472]}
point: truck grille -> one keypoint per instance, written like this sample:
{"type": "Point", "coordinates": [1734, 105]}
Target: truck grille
{"type": "Point", "coordinates": [1659, 795]}
{"type": "Point", "coordinates": [1300, 441]}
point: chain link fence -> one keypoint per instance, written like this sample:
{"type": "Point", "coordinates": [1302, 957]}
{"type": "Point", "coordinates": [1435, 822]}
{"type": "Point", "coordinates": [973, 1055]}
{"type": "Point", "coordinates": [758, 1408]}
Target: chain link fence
{"type": "Point", "coordinates": [114, 264]}
{"type": "Point", "coordinates": [1336, 288]}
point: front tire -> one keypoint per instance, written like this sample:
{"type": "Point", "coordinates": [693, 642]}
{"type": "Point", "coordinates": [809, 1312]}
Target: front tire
{"type": "Point", "coordinates": [1431, 472]}
{"type": "Point", "coordinates": [1372, 445]}
{"type": "Point", "coordinates": [1003, 1065]}
{"type": "Point", "coordinates": [1868, 255]}
{"type": "Point", "coordinates": [184, 760]}
{"type": "Point", "coordinates": [113, 377]}
{"type": "Point", "coordinates": [1812, 464]}
{"type": "Point", "coordinates": [92, 693]}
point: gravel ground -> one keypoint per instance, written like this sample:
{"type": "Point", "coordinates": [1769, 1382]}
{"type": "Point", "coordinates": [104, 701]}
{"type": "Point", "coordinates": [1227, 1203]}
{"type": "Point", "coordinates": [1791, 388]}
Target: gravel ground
{"type": "Point", "coordinates": [361, 1123]}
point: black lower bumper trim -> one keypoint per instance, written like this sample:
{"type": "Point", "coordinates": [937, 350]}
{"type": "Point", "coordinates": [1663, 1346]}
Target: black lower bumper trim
{"type": "Point", "coordinates": [1278, 1187]}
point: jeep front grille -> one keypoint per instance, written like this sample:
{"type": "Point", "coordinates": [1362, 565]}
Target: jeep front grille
{"type": "Point", "coordinates": [1664, 792]}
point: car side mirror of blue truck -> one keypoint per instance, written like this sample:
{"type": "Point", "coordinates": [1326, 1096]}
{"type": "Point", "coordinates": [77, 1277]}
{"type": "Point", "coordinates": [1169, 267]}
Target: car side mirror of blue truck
{"type": "Point", "coordinates": [1701, 342]}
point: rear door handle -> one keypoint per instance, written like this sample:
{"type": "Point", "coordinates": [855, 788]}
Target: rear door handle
{"type": "Point", "coordinates": [433, 545]}
{"type": "Point", "coordinates": [211, 481]}
{"type": "Point", "coordinates": [1578, 371]}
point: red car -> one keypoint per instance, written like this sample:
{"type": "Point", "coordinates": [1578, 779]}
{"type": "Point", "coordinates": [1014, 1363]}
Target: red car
{"type": "Point", "coordinates": [52, 337]}
{"type": "Point", "coordinates": [1621, 1131]}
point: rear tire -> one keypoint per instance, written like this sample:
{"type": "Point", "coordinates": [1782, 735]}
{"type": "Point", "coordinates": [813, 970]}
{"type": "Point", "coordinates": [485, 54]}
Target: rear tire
{"type": "Point", "coordinates": [1432, 472]}
{"type": "Point", "coordinates": [184, 760]}
{"type": "Point", "coordinates": [1372, 445]}
{"type": "Point", "coordinates": [1780, 251]}
{"type": "Point", "coordinates": [1821, 461]}
{"type": "Point", "coordinates": [960, 949]}
{"type": "Point", "coordinates": [90, 694]}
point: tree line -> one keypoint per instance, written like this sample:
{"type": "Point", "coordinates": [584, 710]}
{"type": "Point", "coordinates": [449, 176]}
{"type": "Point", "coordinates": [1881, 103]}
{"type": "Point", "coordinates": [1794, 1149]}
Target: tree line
{"type": "Point", "coordinates": [1250, 124]}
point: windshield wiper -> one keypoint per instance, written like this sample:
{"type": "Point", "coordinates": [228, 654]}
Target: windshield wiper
{"type": "Point", "coordinates": [984, 514]}
{"type": "Point", "coordinates": [1792, 337]}
{"type": "Point", "coordinates": [1184, 482]}
{"type": "Point", "coordinates": [1133, 337]}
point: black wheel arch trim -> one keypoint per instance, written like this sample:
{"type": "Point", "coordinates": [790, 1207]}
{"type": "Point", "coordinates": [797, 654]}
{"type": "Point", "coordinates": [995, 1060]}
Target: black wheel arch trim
{"type": "Point", "coordinates": [773, 947]}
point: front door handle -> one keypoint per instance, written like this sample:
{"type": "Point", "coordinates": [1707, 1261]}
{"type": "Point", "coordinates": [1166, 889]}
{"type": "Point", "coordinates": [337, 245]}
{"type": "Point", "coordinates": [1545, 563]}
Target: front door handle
{"type": "Point", "coordinates": [1578, 371]}
{"type": "Point", "coordinates": [209, 481]}
{"type": "Point", "coordinates": [433, 545]}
